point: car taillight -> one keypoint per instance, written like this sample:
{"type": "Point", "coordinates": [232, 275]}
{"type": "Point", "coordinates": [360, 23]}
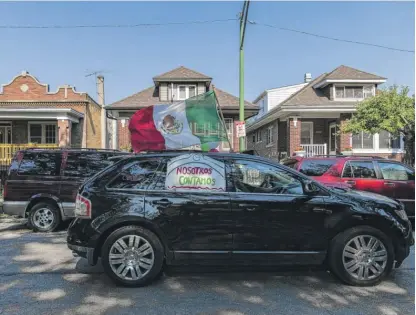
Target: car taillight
{"type": "Point", "coordinates": [82, 207]}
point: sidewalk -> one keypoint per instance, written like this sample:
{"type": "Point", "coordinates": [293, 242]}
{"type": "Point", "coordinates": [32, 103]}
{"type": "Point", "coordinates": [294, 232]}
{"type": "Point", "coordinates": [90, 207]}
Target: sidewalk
{"type": "Point", "coordinates": [10, 223]}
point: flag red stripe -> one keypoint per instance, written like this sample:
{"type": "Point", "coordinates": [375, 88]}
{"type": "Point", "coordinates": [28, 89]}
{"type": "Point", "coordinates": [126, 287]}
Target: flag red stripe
{"type": "Point", "coordinates": [143, 133]}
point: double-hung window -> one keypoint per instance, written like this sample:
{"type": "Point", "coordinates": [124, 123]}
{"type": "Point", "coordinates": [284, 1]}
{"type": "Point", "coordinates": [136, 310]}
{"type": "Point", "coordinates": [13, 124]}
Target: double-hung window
{"type": "Point", "coordinates": [43, 133]}
{"type": "Point", "coordinates": [186, 91]}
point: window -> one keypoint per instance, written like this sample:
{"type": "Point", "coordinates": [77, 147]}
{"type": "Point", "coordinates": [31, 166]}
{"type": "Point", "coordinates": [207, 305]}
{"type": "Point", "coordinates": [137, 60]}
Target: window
{"type": "Point", "coordinates": [258, 136]}
{"type": "Point", "coordinates": [229, 126]}
{"type": "Point", "coordinates": [254, 177]}
{"type": "Point", "coordinates": [43, 133]}
{"type": "Point", "coordinates": [362, 140]}
{"type": "Point", "coordinates": [139, 175]}
{"type": "Point", "coordinates": [254, 137]}
{"type": "Point", "coordinates": [306, 133]}
{"type": "Point", "coordinates": [269, 136]}
{"type": "Point", "coordinates": [395, 171]}
{"type": "Point", "coordinates": [186, 91]}
{"type": "Point", "coordinates": [36, 163]}
{"type": "Point", "coordinates": [359, 169]}
{"type": "Point", "coordinates": [354, 92]}
{"type": "Point", "coordinates": [388, 141]}
{"type": "Point", "coordinates": [84, 164]}
{"type": "Point", "coordinates": [316, 167]}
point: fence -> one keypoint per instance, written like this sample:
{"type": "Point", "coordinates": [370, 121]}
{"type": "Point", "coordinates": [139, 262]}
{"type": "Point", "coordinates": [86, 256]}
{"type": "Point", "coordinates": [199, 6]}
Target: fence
{"type": "Point", "coordinates": [8, 150]}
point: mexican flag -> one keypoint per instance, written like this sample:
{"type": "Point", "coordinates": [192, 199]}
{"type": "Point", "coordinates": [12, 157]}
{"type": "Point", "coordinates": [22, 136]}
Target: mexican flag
{"type": "Point", "coordinates": [192, 122]}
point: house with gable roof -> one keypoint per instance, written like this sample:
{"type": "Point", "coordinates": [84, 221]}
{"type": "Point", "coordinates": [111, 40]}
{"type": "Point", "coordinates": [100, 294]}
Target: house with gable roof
{"type": "Point", "coordinates": [308, 116]}
{"type": "Point", "coordinates": [176, 85]}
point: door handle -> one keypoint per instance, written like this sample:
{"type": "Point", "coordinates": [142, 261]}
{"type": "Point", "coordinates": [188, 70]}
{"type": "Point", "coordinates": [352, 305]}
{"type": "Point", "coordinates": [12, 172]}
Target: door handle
{"type": "Point", "coordinates": [247, 207]}
{"type": "Point", "coordinates": [251, 208]}
{"type": "Point", "coordinates": [389, 184]}
{"type": "Point", "coordinates": [163, 202]}
{"type": "Point", "coordinates": [321, 210]}
{"type": "Point", "coordinates": [351, 182]}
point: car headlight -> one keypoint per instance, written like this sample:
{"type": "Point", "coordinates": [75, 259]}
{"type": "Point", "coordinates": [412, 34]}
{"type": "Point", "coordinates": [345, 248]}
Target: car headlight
{"type": "Point", "coordinates": [402, 214]}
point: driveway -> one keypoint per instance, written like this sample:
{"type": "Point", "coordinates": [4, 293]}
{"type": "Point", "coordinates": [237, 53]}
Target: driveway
{"type": "Point", "coordinates": [39, 275]}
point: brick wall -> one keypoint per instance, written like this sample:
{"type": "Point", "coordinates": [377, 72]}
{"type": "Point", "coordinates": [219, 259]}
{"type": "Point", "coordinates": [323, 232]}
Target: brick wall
{"type": "Point", "coordinates": [294, 135]}
{"type": "Point", "coordinates": [123, 134]}
{"type": "Point", "coordinates": [27, 90]}
{"type": "Point", "coordinates": [344, 139]}
{"type": "Point", "coordinates": [263, 148]}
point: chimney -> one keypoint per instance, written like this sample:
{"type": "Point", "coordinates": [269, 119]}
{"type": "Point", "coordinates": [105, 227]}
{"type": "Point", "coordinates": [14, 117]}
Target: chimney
{"type": "Point", "coordinates": [308, 77]}
{"type": "Point", "coordinates": [101, 102]}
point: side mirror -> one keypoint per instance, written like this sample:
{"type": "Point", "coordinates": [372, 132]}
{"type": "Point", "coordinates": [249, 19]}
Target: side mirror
{"type": "Point", "coordinates": [310, 187]}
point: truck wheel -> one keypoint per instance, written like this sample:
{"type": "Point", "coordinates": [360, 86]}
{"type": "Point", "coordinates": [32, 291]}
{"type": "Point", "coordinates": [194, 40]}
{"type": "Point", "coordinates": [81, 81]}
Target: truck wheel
{"type": "Point", "coordinates": [44, 217]}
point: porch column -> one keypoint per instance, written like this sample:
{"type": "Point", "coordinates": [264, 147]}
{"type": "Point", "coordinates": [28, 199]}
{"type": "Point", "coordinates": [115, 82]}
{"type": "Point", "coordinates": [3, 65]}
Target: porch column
{"type": "Point", "coordinates": [345, 138]}
{"type": "Point", "coordinates": [294, 134]}
{"type": "Point", "coordinates": [64, 132]}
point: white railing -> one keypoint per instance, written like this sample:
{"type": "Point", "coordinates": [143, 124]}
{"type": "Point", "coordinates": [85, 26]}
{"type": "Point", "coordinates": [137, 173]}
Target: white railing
{"type": "Point", "coordinates": [314, 149]}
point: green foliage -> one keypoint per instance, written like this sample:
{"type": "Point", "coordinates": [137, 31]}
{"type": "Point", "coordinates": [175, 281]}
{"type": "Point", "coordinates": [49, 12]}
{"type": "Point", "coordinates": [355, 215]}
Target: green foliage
{"type": "Point", "coordinates": [391, 110]}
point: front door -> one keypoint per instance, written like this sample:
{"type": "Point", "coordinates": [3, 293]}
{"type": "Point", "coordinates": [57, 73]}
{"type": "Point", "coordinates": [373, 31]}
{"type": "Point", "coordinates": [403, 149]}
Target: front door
{"type": "Point", "coordinates": [332, 138]}
{"type": "Point", "coordinates": [362, 175]}
{"type": "Point", "coordinates": [197, 222]}
{"type": "Point", "coordinates": [275, 221]}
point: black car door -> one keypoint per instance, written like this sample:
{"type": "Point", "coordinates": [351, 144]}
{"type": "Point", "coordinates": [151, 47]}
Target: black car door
{"type": "Point", "coordinates": [197, 223]}
{"type": "Point", "coordinates": [276, 222]}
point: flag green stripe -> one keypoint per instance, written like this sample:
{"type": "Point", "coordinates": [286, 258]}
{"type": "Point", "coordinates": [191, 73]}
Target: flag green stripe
{"type": "Point", "coordinates": [204, 119]}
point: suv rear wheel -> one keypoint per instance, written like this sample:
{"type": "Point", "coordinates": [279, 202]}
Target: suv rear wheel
{"type": "Point", "coordinates": [361, 256]}
{"type": "Point", "coordinates": [44, 217]}
{"type": "Point", "coordinates": [132, 256]}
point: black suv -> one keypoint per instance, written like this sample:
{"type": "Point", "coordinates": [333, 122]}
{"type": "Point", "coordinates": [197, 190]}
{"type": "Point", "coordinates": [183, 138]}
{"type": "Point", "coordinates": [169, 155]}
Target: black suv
{"type": "Point", "coordinates": [224, 208]}
{"type": "Point", "coordinates": [42, 184]}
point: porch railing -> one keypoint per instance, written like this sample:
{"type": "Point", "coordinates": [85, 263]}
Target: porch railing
{"type": "Point", "coordinates": [8, 150]}
{"type": "Point", "coordinates": [314, 149]}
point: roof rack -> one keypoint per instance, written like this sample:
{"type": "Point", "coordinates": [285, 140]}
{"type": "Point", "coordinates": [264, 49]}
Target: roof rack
{"type": "Point", "coordinates": [69, 149]}
{"type": "Point", "coordinates": [346, 156]}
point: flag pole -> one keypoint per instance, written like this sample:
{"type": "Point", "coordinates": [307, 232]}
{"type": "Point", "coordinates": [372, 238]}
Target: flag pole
{"type": "Point", "coordinates": [222, 118]}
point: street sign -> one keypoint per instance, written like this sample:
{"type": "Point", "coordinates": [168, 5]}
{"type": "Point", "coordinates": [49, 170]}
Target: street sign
{"type": "Point", "coordinates": [240, 127]}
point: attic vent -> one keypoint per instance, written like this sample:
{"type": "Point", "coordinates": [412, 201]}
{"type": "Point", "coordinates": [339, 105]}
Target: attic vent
{"type": "Point", "coordinates": [308, 77]}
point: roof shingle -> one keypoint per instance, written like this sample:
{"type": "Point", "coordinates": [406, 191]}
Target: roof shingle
{"type": "Point", "coordinates": [345, 72]}
{"type": "Point", "coordinates": [182, 73]}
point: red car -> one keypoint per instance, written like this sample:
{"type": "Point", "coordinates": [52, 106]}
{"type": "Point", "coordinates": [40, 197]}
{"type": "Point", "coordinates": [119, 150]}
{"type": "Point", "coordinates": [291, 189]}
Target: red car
{"type": "Point", "coordinates": [385, 177]}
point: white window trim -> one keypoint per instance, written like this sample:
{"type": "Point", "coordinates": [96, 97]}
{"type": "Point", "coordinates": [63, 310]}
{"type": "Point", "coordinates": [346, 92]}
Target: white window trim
{"type": "Point", "coordinates": [376, 147]}
{"type": "Point", "coordinates": [43, 136]}
{"type": "Point", "coordinates": [310, 130]}
{"type": "Point", "coordinates": [259, 136]}
{"type": "Point", "coordinates": [271, 143]}
{"type": "Point", "coordinates": [186, 91]}
{"type": "Point", "coordinates": [351, 99]}
{"type": "Point", "coordinates": [230, 135]}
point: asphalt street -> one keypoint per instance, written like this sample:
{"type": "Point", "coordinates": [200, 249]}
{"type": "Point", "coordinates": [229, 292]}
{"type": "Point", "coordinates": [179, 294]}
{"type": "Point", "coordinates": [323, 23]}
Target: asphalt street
{"type": "Point", "coordinates": [39, 275]}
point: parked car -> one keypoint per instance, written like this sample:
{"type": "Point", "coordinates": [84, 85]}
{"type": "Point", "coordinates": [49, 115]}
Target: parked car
{"type": "Point", "coordinates": [385, 177]}
{"type": "Point", "coordinates": [179, 208]}
{"type": "Point", "coordinates": [42, 184]}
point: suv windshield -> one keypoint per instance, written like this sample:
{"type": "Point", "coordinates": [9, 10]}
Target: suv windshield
{"type": "Point", "coordinates": [316, 167]}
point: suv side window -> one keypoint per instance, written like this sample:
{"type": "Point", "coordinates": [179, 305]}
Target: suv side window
{"type": "Point", "coordinates": [39, 163]}
{"type": "Point", "coordinates": [139, 175]}
{"type": "Point", "coordinates": [291, 163]}
{"type": "Point", "coordinates": [85, 164]}
{"type": "Point", "coordinates": [395, 171]}
{"type": "Point", "coordinates": [255, 177]}
{"type": "Point", "coordinates": [316, 167]}
{"type": "Point", "coordinates": [359, 169]}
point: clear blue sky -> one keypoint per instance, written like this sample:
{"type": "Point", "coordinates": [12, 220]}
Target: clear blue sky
{"type": "Point", "coordinates": [133, 56]}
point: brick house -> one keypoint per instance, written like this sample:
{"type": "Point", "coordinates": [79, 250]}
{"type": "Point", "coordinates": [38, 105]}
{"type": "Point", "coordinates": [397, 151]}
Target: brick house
{"type": "Point", "coordinates": [175, 85]}
{"type": "Point", "coordinates": [309, 115]}
{"type": "Point", "coordinates": [31, 114]}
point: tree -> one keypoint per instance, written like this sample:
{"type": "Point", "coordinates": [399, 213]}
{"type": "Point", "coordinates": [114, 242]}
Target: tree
{"type": "Point", "coordinates": [390, 110]}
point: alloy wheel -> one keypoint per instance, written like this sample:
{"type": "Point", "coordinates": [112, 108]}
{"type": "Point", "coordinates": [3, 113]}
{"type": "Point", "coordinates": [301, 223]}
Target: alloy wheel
{"type": "Point", "coordinates": [131, 257]}
{"type": "Point", "coordinates": [43, 218]}
{"type": "Point", "coordinates": [364, 257]}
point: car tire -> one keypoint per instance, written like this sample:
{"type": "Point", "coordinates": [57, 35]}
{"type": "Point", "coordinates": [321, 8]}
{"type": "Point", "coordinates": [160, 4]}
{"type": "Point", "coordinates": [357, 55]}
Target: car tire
{"type": "Point", "coordinates": [365, 263]}
{"type": "Point", "coordinates": [132, 256]}
{"type": "Point", "coordinates": [44, 217]}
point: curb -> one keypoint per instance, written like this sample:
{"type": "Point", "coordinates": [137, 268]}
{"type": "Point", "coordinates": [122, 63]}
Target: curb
{"type": "Point", "coordinates": [18, 226]}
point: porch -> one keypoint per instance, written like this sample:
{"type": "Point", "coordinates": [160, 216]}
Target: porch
{"type": "Point", "coordinates": [8, 150]}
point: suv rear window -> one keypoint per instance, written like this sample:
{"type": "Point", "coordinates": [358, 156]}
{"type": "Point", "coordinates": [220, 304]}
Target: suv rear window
{"type": "Point", "coordinates": [85, 164]}
{"type": "Point", "coordinates": [39, 163]}
{"type": "Point", "coordinates": [316, 167]}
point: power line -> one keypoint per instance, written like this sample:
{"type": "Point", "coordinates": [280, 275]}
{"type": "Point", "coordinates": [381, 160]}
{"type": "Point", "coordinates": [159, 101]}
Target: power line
{"type": "Point", "coordinates": [331, 38]}
{"type": "Point", "coordinates": [111, 25]}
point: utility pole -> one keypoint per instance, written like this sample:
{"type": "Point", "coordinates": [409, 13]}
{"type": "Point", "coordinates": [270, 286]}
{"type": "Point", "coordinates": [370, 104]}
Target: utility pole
{"type": "Point", "coordinates": [243, 23]}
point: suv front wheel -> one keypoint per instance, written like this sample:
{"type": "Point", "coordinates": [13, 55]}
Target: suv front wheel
{"type": "Point", "coordinates": [44, 217]}
{"type": "Point", "coordinates": [132, 256]}
{"type": "Point", "coordinates": [361, 256]}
